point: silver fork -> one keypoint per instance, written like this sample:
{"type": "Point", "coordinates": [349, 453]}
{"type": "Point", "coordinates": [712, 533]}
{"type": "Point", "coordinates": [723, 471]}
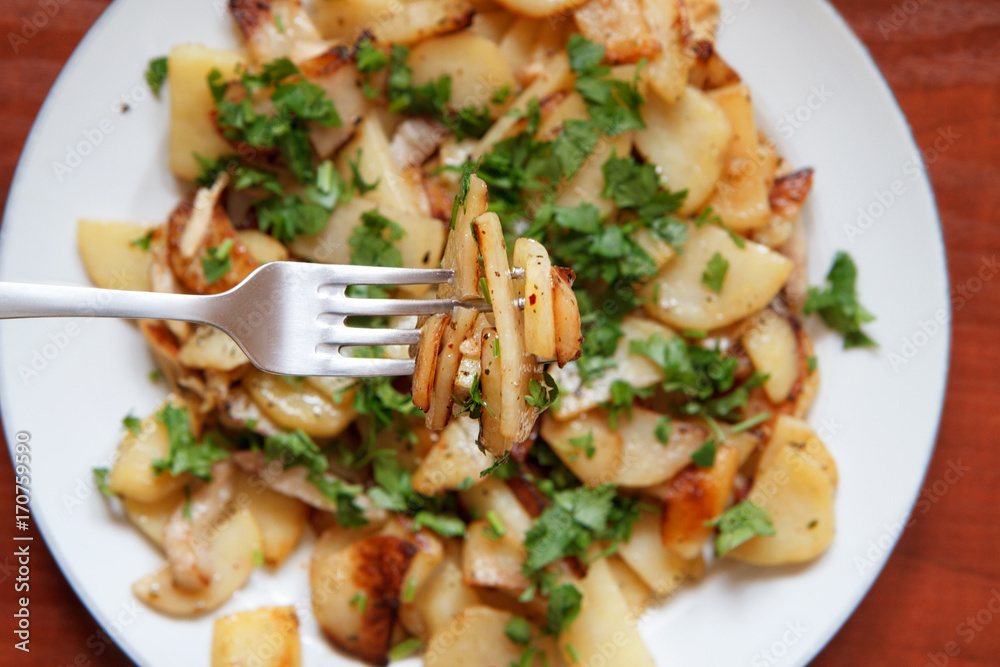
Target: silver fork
{"type": "Point", "coordinates": [288, 317]}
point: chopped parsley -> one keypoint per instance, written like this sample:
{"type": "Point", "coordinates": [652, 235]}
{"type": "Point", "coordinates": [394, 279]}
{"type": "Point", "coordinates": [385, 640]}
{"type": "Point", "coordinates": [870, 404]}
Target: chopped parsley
{"type": "Point", "coordinates": [243, 176]}
{"type": "Point", "coordinates": [838, 303]}
{"type": "Point", "coordinates": [410, 591]}
{"type": "Point", "coordinates": [704, 456]}
{"type": "Point", "coordinates": [258, 557]}
{"type": "Point", "coordinates": [297, 102]}
{"type": "Point", "coordinates": [359, 601]}
{"type": "Point", "coordinates": [518, 630]}
{"type": "Point", "coordinates": [542, 395]}
{"type": "Point", "coordinates": [144, 241]}
{"type": "Point", "coordinates": [623, 397]}
{"type": "Point", "coordinates": [474, 404]}
{"type": "Point", "coordinates": [443, 525]}
{"type": "Point", "coordinates": [748, 424]}
{"type": "Point", "coordinates": [664, 429]}
{"type": "Point", "coordinates": [811, 364]}
{"type": "Point", "coordinates": [156, 74]}
{"type": "Point", "coordinates": [739, 524]}
{"type": "Point", "coordinates": [133, 424]}
{"type": "Point", "coordinates": [216, 262]}
{"type": "Point", "coordinates": [496, 529]}
{"type": "Point", "coordinates": [393, 491]}
{"type": "Point", "coordinates": [404, 649]}
{"type": "Point", "coordinates": [369, 59]}
{"type": "Point", "coordinates": [563, 608]}
{"type": "Point", "coordinates": [715, 273]}
{"type": "Point", "coordinates": [185, 454]}
{"type": "Point", "coordinates": [584, 443]}
{"type": "Point", "coordinates": [101, 480]}
{"type": "Point", "coordinates": [613, 105]}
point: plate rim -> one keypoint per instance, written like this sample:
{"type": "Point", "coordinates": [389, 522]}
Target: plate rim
{"type": "Point", "coordinates": [902, 124]}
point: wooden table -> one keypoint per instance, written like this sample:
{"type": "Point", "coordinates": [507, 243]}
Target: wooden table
{"type": "Point", "coordinates": [942, 59]}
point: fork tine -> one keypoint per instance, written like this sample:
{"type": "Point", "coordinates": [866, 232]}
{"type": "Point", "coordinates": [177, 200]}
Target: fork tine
{"type": "Point", "coordinates": [368, 307]}
{"type": "Point", "coordinates": [362, 367]}
{"type": "Point", "coordinates": [341, 335]}
{"type": "Point", "coordinates": [341, 274]}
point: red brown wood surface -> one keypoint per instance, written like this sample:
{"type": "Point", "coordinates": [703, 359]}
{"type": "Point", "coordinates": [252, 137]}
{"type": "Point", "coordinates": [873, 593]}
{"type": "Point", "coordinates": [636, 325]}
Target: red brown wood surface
{"type": "Point", "coordinates": [932, 604]}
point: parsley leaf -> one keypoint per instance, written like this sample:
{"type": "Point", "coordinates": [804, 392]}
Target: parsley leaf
{"type": "Point", "coordinates": [443, 525]}
{"type": "Point", "coordinates": [574, 145]}
{"type": "Point", "coordinates": [613, 105]}
{"type": "Point", "coordinates": [623, 396]}
{"type": "Point", "coordinates": [704, 456]}
{"type": "Point", "coordinates": [664, 429]}
{"type": "Point", "coordinates": [474, 404]}
{"type": "Point", "coordinates": [838, 303]}
{"type": "Point", "coordinates": [739, 524]}
{"type": "Point", "coordinates": [564, 607]}
{"type": "Point", "coordinates": [540, 395]}
{"type": "Point", "coordinates": [715, 273]}
{"type": "Point", "coordinates": [101, 480]}
{"type": "Point", "coordinates": [243, 177]}
{"type": "Point", "coordinates": [156, 74]}
{"type": "Point", "coordinates": [289, 216]}
{"type": "Point", "coordinates": [144, 241]}
{"type": "Point", "coordinates": [186, 455]}
{"type": "Point", "coordinates": [133, 424]}
{"type": "Point", "coordinates": [373, 242]}
{"type": "Point", "coordinates": [518, 630]}
{"type": "Point", "coordinates": [586, 443]}
{"type": "Point", "coordinates": [216, 261]}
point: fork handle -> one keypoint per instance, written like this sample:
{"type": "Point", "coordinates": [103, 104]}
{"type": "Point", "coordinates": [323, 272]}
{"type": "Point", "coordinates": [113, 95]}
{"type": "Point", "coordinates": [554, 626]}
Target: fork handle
{"type": "Point", "coordinates": [19, 300]}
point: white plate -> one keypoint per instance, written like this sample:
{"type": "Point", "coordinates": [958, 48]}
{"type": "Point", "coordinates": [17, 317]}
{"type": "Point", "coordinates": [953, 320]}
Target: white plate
{"type": "Point", "coordinates": [878, 415]}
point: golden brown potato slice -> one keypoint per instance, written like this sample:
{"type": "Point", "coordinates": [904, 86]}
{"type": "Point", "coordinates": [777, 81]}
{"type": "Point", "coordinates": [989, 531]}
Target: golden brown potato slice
{"type": "Point", "coordinates": [662, 569]}
{"type": "Point", "coordinates": [795, 483]}
{"type": "Point", "coordinates": [211, 348]}
{"type": "Point", "coordinates": [476, 636]}
{"type": "Point", "coordinates": [461, 254]}
{"type": "Point", "coordinates": [427, 356]}
{"type": "Point", "coordinates": [491, 438]}
{"type": "Point", "coordinates": [688, 140]}
{"type": "Point", "coordinates": [449, 358]}
{"type": "Point", "coordinates": [111, 257]}
{"type": "Point", "coordinates": [493, 495]}
{"type": "Point", "coordinates": [356, 592]}
{"type": "Point", "coordinates": [493, 561]}
{"type": "Point", "coordinates": [772, 344]}
{"type": "Point", "coordinates": [192, 125]}
{"type": "Point", "coordinates": [150, 518]}
{"type": "Point", "coordinates": [266, 637]}
{"type": "Point", "coordinates": [280, 518]}
{"type": "Point", "coordinates": [621, 27]}
{"type": "Point", "coordinates": [231, 549]}
{"type": "Point", "coordinates": [695, 496]}
{"type": "Point", "coordinates": [518, 368]}
{"type": "Point", "coordinates": [443, 596]}
{"type": "Point", "coordinates": [293, 404]}
{"type": "Point", "coordinates": [390, 20]}
{"type": "Point", "coordinates": [588, 433]}
{"type": "Point", "coordinates": [539, 313]}
{"type": "Point", "coordinates": [454, 461]}
{"type": "Point", "coordinates": [754, 276]}
{"type": "Point", "coordinates": [276, 29]}
{"type": "Point", "coordinates": [132, 474]}
{"type": "Point", "coordinates": [475, 75]}
{"type": "Point", "coordinates": [604, 618]}
{"type": "Point", "coordinates": [647, 461]}
{"type": "Point", "coordinates": [566, 311]}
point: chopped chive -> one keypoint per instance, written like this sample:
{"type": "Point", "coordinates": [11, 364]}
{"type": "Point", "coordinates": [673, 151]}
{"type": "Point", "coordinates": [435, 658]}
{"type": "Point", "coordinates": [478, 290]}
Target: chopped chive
{"type": "Point", "coordinates": [404, 649]}
{"type": "Point", "coordinates": [750, 423]}
{"type": "Point", "coordinates": [496, 525]}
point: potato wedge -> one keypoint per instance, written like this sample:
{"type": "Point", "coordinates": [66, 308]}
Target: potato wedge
{"type": "Point", "coordinates": [211, 348]}
{"type": "Point", "coordinates": [293, 404]}
{"type": "Point", "coordinates": [795, 483]}
{"type": "Point", "coordinates": [495, 496]}
{"type": "Point", "coordinates": [132, 474]}
{"type": "Point", "coordinates": [266, 637]}
{"type": "Point", "coordinates": [231, 548]}
{"type": "Point", "coordinates": [645, 460]}
{"type": "Point", "coordinates": [192, 128]}
{"type": "Point", "coordinates": [517, 368]}
{"type": "Point", "coordinates": [476, 636]}
{"type": "Point", "coordinates": [539, 314]}
{"type": "Point", "coordinates": [263, 247]}
{"type": "Point", "coordinates": [566, 311]}
{"type": "Point", "coordinates": [369, 149]}
{"type": "Point", "coordinates": [479, 72]}
{"type": "Point", "coordinates": [426, 363]}
{"type": "Point", "coordinates": [604, 620]}
{"type": "Point", "coordinates": [372, 570]}
{"type": "Point", "coordinates": [150, 518]}
{"type": "Point", "coordinates": [773, 346]}
{"type": "Point", "coordinates": [454, 461]}
{"type": "Point", "coordinates": [391, 21]}
{"type": "Point", "coordinates": [695, 496]}
{"type": "Point", "coordinates": [461, 254]}
{"type": "Point", "coordinates": [688, 140]}
{"type": "Point", "coordinates": [662, 569]}
{"type": "Point", "coordinates": [571, 440]}
{"type": "Point", "coordinates": [280, 518]}
{"type": "Point", "coordinates": [443, 596]}
{"type": "Point", "coordinates": [111, 258]}
{"type": "Point", "coordinates": [492, 561]}
{"type": "Point", "coordinates": [276, 29]}
{"type": "Point", "coordinates": [638, 595]}
{"type": "Point", "coordinates": [491, 438]}
{"type": "Point", "coordinates": [754, 277]}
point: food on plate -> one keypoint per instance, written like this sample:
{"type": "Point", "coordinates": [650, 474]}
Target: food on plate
{"type": "Point", "coordinates": [620, 400]}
